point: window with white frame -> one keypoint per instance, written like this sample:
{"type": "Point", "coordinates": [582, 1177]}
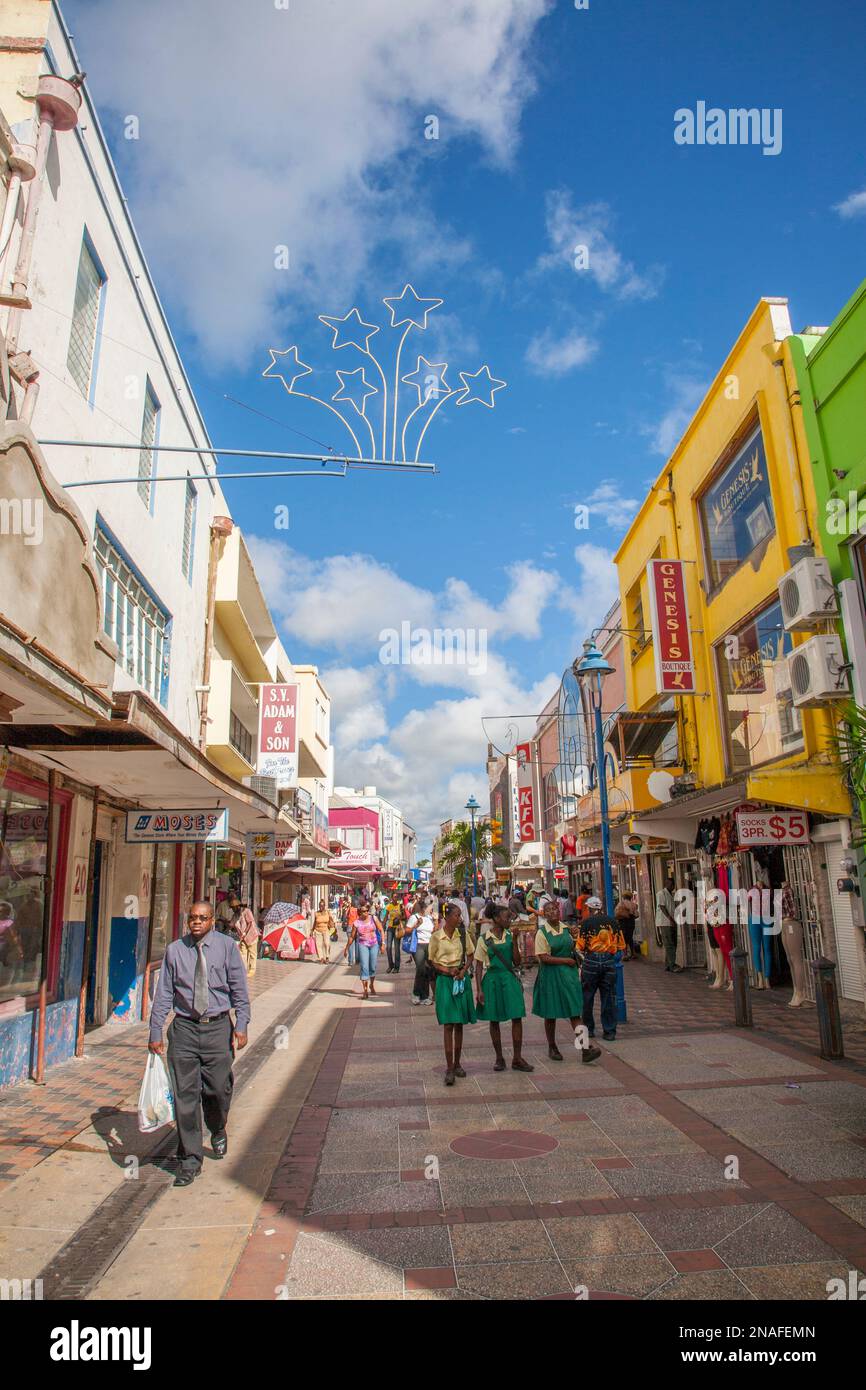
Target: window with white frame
{"type": "Point", "coordinates": [89, 284]}
{"type": "Point", "coordinates": [148, 439]}
{"type": "Point", "coordinates": [131, 617]}
{"type": "Point", "coordinates": [189, 510]}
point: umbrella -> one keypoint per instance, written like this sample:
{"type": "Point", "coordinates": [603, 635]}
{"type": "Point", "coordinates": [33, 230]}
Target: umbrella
{"type": "Point", "coordinates": [279, 912]}
{"type": "Point", "coordinates": [285, 937]}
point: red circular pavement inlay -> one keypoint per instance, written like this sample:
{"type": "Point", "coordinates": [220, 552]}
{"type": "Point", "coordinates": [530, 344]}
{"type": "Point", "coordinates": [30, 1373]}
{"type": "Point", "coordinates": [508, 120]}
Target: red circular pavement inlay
{"type": "Point", "coordinates": [504, 1143]}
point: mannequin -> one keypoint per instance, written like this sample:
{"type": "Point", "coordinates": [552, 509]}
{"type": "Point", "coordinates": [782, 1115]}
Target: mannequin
{"type": "Point", "coordinates": [715, 958]}
{"type": "Point", "coordinates": [792, 943]}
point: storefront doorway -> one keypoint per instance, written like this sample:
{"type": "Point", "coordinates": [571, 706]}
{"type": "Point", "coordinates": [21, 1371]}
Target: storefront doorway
{"type": "Point", "coordinates": [847, 950]}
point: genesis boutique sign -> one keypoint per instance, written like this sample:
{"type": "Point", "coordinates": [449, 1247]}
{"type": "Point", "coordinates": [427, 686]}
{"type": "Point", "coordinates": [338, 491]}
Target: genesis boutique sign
{"type": "Point", "coordinates": [669, 616]}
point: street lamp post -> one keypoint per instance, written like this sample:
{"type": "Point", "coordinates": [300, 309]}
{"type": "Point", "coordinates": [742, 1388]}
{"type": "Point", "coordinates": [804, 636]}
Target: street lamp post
{"type": "Point", "coordinates": [472, 806]}
{"type": "Point", "coordinates": [590, 671]}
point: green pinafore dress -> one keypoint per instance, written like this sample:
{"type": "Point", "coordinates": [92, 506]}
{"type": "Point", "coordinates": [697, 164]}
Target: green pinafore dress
{"type": "Point", "coordinates": [451, 1007]}
{"type": "Point", "coordinates": [557, 992]}
{"type": "Point", "coordinates": [503, 993]}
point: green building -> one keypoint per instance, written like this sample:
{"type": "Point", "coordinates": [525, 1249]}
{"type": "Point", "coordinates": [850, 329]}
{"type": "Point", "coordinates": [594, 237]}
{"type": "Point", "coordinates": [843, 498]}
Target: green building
{"type": "Point", "coordinates": [829, 369]}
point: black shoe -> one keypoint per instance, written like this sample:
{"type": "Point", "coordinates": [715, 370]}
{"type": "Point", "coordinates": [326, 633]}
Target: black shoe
{"type": "Point", "coordinates": [458, 1071]}
{"type": "Point", "coordinates": [589, 1054]}
{"type": "Point", "coordinates": [608, 1037]}
{"type": "Point", "coordinates": [186, 1176]}
{"type": "Point", "coordinates": [220, 1145]}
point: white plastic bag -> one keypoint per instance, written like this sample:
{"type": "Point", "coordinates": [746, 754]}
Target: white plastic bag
{"type": "Point", "coordinates": [155, 1100]}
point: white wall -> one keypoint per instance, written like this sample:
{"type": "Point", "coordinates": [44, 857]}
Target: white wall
{"type": "Point", "coordinates": [134, 345]}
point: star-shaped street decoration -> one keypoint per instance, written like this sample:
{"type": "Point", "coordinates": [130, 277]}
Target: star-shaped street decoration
{"type": "Point", "coordinates": [409, 307]}
{"type": "Point", "coordinates": [471, 393]}
{"type": "Point", "coordinates": [352, 334]}
{"type": "Point", "coordinates": [357, 388]}
{"type": "Point", "coordinates": [293, 360]}
{"type": "Point", "coordinates": [428, 379]}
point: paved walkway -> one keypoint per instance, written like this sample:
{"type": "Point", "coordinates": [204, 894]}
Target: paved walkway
{"type": "Point", "coordinates": [694, 1160]}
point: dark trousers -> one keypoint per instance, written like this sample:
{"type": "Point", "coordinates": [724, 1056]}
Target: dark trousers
{"type": "Point", "coordinates": [599, 974]}
{"type": "Point", "coordinates": [421, 988]}
{"type": "Point", "coordinates": [200, 1060]}
{"type": "Point", "coordinates": [627, 926]}
{"type": "Point", "coordinates": [392, 946]}
{"type": "Point", "coordinates": [669, 941]}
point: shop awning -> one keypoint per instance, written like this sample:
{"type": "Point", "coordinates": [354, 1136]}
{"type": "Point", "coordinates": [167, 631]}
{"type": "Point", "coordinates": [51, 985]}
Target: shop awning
{"type": "Point", "coordinates": [140, 758]}
{"type": "Point", "coordinates": [314, 877]}
{"type": "Point", "coordinates": [639, 736]}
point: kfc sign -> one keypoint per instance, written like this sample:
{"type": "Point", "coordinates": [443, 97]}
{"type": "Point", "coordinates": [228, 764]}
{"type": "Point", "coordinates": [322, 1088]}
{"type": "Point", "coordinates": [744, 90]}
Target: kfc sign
{"type": "Point", "coordinates": [772, 828]}
{"type": "Point", "coordinates": [672, 643]}
{"type": "Point", "coordinates": [525, 797]}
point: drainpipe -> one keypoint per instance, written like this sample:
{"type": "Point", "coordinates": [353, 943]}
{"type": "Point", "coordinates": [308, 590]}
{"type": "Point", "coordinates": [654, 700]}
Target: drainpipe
{"type": "Point", "coordinates": [22, 167]}
{"type": "Point", "coordinates": [59, 102]}
{"type": "Point", "coordinates": [791, 392]}
{"type": "Point", "coordinates": [221, 527]}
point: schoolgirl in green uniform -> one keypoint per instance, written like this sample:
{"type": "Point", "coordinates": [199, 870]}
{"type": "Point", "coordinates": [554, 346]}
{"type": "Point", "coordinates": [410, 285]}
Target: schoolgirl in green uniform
{"type": "Point", "coordinates": [450, 957]}
{"type": "Point", "coordinates": [558, 992]}
{"type": "Point", "coordinates": [499, 991]}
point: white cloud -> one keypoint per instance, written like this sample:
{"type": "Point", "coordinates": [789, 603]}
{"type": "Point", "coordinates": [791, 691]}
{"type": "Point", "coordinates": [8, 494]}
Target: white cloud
{"type": "Point", "coordinates": [570, 227]}
{"type": "Point", "coordinates": [596, 589]}
{"type": "Point", "coordinates": [550, 355]}
{"type": "Point", "coordinates": [683, 393]}
{"type": "Point", "coordinates": [301, 127]}
{"type": "Point", "coordinates": [852, 206]}
{"type": "Point", "coordinates": [608, 502]}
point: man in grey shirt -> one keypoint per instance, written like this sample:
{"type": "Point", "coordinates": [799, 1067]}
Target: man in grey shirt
{"type": "Point", "coordinates": [201, 978]}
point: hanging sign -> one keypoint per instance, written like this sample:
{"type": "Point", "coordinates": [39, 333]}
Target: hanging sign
{"type": "Point", "coordinates": [177, 827]}
{"type": "Point", "coordinates": [669, 617]}
{"type": "Point", "coordinates": [525, 794]}
{"type": "Point", "coordinates": [772, 828]}
{"type": "Point", "coordinates": [278, 734]}
{"type": "Point", "coordinates": [260, 846]}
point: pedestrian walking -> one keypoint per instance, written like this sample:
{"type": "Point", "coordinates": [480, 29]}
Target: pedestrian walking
{"type": "Point", "coordinates": [626, 912]}
{"type": "Point", "coordinates": [450, 956]}
{"type": "Point", "coordinates": [367, 936]}
{"type": "Point", "coordinates": [394, 923]}
{"type": "Point", "coordinates": [323, 925]}
{"type": "Point", "coordinates": [351, 944]}
{"type": "Point", "coordinates": [600, 939]}
{"type": "Point", "coordinates": [499, 991]}
{"type": "Point", "coordinates": [226, 914]}
{"type": "Point", "coordinates": [202, 978]}
{"type": "Point", "coordinates": [557, 992]}
{"type": "Point", "coordinates": [667, 924]}
{"type": "Point", "coordinates": [422, 923]}
{"type": "Point", "coordinates": [246, 934]}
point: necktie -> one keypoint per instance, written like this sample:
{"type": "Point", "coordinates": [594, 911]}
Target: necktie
{"type": "Point", "coordinates": [199, 991]}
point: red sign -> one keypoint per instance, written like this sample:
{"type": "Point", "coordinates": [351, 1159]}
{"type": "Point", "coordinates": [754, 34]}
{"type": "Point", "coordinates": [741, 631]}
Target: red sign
{"type": "Point", "coordinates": [672, 642]}
{"type": "Point", "coordinates": [560, 873]}
{"type": "Point", "coordinates": [525, 799]}
{"type": "Point", "coordinates": [278, 737]}
{"type": "Point", "coordinates": [772, 828]}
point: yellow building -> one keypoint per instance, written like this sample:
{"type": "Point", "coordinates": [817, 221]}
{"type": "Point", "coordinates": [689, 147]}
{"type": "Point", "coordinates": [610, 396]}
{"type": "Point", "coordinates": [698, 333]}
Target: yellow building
{"type": "Point", "coordinates": [735, 503]}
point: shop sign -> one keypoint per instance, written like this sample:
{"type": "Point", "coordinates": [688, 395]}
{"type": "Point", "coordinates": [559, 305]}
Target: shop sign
{"type": "Point", "coordinates": [177, 827]}
{"type": "Point", "coordinates": [560, 874]}
{"type": "Point", "coordinates": [772, 828]}
{"type": "Point", "coordinates": [646, 844]}
{"type": "Point", "coordinates": [525, 795]}
{"type": "Point", "coordinates": [285, 849]}
{"type": "Point", "coordinates": [737, 511]}
{"type": "Point", "coordinates": [260, 846]}
{"type": "Point", "coordinates": [669, 618]}
{"type": "Point", "coordinates": [354, 860]}
{"type": "Point", "coordinates": [278, 734]}
{"type": "Point", "coordinates": [26, 825]}
{"type": "Point", "coordinates": [320, 828]}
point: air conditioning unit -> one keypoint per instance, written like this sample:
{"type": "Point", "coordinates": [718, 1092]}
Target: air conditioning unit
{"type": "Point", "coordinates": [264, 786]}
{"type": "Point", "coordinates": [818, 672]}
{"type": "Point", "coordinates": [808, 594]}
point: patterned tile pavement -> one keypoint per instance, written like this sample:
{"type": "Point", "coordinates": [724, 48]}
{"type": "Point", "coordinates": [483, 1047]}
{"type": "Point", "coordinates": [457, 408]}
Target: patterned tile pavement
{"type": "Point", "coordinates": [677, 1166]}
{"type": "Point", "coordinates": [35, 1121]}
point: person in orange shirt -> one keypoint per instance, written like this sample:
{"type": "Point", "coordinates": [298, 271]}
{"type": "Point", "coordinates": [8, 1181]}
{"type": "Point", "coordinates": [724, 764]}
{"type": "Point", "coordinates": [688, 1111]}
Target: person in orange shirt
{"type": "Point", "coordinates": [600, 940]}
{"type": "Point", "coordinates": [582, 899]}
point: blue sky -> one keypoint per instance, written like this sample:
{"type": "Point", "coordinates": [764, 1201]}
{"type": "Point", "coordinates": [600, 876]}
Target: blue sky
{"type": "Point", "coordinates": [306, 128]}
